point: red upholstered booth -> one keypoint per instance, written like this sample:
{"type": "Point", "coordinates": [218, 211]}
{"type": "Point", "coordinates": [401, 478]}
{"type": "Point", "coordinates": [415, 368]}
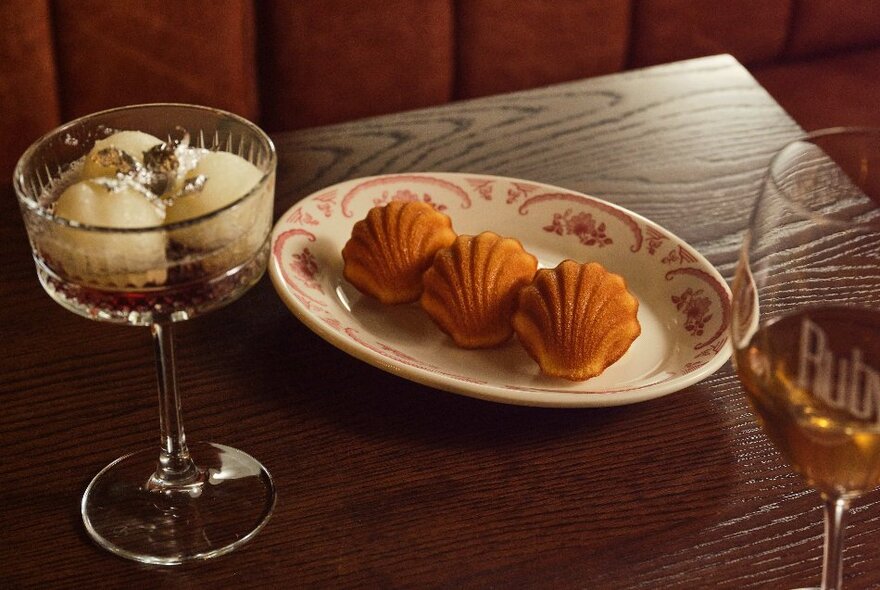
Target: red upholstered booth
{"type": "Point", "coordinates": [293, 64]}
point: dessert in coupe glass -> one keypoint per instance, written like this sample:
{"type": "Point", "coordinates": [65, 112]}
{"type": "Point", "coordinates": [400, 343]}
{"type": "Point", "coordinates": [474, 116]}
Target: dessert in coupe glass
{"type": "Point", "coordinates": [806, 318]}
{"type": "Point", "coordinates": [150, 215]}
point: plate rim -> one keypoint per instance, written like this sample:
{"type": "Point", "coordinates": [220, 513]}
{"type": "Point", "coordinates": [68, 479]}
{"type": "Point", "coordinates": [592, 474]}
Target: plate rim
{"type": "Point", "coordinates": [494, 392]}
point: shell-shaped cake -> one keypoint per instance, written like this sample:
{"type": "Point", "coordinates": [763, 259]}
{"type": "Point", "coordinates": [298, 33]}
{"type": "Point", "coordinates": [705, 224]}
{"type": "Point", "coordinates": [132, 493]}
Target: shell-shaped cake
{"type": "Point", "coordinates": [471, 288]}
{"type": "Point", "coordinates": [576, 320]}
{"type": "Point", "coordinates": [391, 248]}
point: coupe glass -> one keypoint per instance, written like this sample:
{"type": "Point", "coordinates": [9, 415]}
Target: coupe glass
{"type": "Point", "coordinates": [180, 501]}
{"type": "Point", "coordinates": [806, 318]}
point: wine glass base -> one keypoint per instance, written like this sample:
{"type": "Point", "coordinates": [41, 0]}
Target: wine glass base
{"type": "Point", "coordinates": [228, 504]}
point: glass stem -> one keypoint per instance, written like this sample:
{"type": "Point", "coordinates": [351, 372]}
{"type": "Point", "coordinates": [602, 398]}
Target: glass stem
{"type": "Point", "coordinates": [176, 467]}
{"type": "Point", "coordinates": [836, 511]}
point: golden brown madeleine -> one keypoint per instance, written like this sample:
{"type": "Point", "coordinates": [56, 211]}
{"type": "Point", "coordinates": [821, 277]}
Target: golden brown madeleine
{"type": "Point", "coordinates": [390, 249]}
{"type": "Point", "coordinates": [471, 288]}
{"type": "Point", "coordinates": [576, 320]}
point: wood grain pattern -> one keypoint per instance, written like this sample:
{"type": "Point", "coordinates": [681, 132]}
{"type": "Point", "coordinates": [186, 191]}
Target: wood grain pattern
{"type": "Point", "coordinates": [384, 483]}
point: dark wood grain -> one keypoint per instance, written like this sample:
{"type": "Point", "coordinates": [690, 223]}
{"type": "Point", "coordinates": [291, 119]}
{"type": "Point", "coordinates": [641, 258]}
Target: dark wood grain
{"type": "Point", "coordinates": [384, 483]}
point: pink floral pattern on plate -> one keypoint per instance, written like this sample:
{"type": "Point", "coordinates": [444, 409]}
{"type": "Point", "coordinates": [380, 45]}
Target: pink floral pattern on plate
{"type": "Point", "coordinates": [684, 302]}
{"type": "Point", "coordinates": [583, 225]}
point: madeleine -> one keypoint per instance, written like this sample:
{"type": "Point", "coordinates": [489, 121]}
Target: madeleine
{"type": "Point", "coordinates": [576, 320]}
{"type": "Point", "coordinates": [391, 248]}
{"type": "Point", "coordinates": [471, 288]}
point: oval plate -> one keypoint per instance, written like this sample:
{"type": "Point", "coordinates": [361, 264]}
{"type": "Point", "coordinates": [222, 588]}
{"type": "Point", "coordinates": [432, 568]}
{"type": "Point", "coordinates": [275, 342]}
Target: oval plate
{"type": "Point", "coordinates": [684, 302]}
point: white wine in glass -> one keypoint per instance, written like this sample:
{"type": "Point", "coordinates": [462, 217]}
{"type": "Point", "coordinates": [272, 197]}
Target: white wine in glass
{"type": "Point", "coordinates": [806, 318]}
{"type": "Point", "coordinates": [150, 215]}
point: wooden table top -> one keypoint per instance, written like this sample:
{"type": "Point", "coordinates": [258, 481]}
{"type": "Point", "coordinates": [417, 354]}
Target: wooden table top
{"type": "Point", "coordinates": [385, 483]}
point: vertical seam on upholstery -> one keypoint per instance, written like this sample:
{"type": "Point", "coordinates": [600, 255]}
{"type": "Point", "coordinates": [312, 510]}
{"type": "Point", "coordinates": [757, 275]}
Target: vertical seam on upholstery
{"type": "Point", "coordinates": [783, 55]}
{"type": "Point", "coordinates": [453, 54]}
{"type": "Point", "coordinates": [60, 95]}
{"type": "Point", "coordinates": [262, 42]}
{"type": "Point", "coordinates": [253, 67]}
{"type": "Point", "coordinates": [793, 11]}
{"type": "Point", "coordinates": [630, 35]}
{"type": "Point", "coordinates": [456, 49]}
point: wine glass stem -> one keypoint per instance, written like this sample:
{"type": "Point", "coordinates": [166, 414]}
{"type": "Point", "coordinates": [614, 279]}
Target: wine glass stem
{"type": "Point", "coordinates": [175, 467]}
{"type": "Point", "coordinates": [836, 510]}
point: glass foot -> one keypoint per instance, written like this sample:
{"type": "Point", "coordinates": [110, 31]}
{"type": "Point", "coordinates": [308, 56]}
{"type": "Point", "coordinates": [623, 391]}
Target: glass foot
{"type": "Point", "coordinates": [229, 502]}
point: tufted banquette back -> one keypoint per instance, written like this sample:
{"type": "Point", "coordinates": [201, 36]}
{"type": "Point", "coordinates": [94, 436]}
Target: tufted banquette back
{"type": "Point", "coordinates": [295, 63]}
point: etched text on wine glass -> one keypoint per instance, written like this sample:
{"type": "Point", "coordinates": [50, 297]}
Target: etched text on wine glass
{"type": "Point", "coordinates": [844, 383]}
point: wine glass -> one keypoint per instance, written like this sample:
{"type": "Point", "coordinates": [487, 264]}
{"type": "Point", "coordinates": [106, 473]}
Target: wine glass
{"type": "Point", "coordinates": [180, 501]}
{"type": "Point", "coordinates": [806, 318]}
